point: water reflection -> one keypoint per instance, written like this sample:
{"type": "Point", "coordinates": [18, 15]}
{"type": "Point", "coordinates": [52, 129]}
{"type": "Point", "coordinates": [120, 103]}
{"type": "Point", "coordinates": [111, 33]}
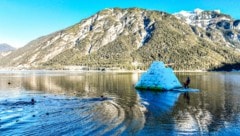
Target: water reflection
{"type": "Point", "coordinates": [80, 109]}
{"type": "Point", "coordinates": [73, 103]}
{"type": "Point", "coordinates": [158, 103]}
{"type": "Point", "coordinates": [186, 97]}
{"type": "Point", "coordinates": [209, 110]}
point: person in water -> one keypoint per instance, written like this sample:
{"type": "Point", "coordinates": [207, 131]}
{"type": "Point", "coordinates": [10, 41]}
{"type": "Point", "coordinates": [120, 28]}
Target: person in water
{"type": "Point", "coordinates": [103, 98]}
{"type": "Point", "coordinates": [186, 84]}
{"type": "Point", "coordinates": [33, 101]}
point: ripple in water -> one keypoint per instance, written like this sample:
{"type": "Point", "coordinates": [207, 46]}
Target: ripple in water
{"type": "Point", "coordinates": [56, 115]}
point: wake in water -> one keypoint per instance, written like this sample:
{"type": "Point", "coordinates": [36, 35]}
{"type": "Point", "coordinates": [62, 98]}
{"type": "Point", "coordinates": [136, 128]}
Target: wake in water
{"type": "Point", "coordinates": [55, 115]}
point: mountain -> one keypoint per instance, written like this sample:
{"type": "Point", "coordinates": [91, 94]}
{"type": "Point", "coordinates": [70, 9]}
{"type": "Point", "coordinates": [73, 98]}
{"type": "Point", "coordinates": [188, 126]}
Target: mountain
{"type": "Point", "coordinates": [219, 27]}
{"type": "Point", "coordinates": [126, 38]}
{"type": "Point", "coordinates": [5, 49]}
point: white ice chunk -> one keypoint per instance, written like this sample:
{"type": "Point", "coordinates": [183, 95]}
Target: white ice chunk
{"type": "Point", "coordinates": [158, 76]}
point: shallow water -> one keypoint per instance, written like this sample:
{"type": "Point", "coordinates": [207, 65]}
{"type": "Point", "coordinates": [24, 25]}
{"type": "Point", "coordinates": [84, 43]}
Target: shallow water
{"type": "Point", "coordinates": [70, 103]}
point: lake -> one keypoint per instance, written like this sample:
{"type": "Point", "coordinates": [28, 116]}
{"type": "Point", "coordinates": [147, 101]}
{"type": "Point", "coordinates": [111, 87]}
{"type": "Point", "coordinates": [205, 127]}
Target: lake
{"type": "Point", "coordinates": [106, 103]}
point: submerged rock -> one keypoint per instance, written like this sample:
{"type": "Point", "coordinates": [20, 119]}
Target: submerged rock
{"type": "Point", "coordinates": [158, 77]}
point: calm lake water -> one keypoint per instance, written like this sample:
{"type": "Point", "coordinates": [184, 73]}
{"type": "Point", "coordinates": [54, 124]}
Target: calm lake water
{"type": "Point", "coordinates": [69, 103]}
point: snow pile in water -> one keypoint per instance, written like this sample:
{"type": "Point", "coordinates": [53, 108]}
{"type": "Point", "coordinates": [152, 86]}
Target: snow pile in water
{"type": "Point", "coordinates": [158, 77]}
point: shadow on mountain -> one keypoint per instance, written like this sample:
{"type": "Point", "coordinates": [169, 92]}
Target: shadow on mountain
{"type": "Point", "coordinates": [226, 67]}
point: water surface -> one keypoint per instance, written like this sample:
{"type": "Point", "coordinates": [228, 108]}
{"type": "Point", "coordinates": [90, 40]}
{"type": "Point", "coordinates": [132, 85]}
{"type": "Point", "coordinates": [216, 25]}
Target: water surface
{"type": "Point", "coordinates": [70, 103]}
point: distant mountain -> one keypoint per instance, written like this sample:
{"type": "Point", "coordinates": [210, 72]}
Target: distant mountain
{"type": "Point", "coordinates": [6, 47]}
{"type": "Point", "coordinates": [219, 27]}
{"type": "Point", "coordinates": [131, 39]}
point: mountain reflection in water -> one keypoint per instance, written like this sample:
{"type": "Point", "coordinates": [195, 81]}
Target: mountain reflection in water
{"type": "Point", "coordinates": [70, 103]}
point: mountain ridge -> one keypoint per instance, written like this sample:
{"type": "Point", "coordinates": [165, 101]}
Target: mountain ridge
{"type": "Point", "coordinates": [5, 49]}
{"type": "Point", "coordinates": [218, 26]}
{"type": "Point", "coordinates": [126, 38]}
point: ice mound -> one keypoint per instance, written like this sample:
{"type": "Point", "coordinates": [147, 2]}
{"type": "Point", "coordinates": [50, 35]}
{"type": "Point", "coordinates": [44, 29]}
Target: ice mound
{"type": "Point", "coordinates": [158, 77]}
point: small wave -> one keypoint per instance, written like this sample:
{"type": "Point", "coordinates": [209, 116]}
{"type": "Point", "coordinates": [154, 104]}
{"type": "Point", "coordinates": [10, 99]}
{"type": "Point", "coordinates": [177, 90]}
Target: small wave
{"type": "Point", "coordinates": [53, 115]}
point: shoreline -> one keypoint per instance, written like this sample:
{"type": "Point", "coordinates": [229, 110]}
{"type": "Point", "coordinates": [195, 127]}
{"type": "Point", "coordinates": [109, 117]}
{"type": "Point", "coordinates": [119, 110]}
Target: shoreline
{"type": "Point", "coordinates": [105, 71]}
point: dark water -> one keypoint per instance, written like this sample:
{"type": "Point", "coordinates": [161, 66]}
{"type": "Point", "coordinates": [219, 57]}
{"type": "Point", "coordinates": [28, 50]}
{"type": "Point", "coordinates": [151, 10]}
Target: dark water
{"type": "Point", "coordinates": [69, 103]}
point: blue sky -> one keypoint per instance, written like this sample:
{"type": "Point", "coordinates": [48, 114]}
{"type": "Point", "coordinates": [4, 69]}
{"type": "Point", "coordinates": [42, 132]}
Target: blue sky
{"type": "Point", "coordinates": [24, 20]}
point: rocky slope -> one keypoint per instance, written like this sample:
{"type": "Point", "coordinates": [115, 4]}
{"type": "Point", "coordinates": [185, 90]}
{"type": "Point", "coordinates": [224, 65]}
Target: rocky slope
{"type": "Point", "coordinates": [126, 38]}
{"type": "Point", "coordinates": [220, 28]}
{"type": "Point", "coordinates": [5, 49]}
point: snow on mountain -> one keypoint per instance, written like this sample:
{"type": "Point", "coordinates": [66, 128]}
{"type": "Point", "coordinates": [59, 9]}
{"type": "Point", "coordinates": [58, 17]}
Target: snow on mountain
{"type": "Point", "coordinates": [131, 39]}
{"type": "Point", "coordinates": [200, 18]}
{"type": "Point", "coordinates": [219, 27]}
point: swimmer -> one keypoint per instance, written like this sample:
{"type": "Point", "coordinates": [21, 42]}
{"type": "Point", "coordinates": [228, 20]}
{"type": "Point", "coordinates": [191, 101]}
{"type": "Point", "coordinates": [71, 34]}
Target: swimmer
{"type": "Point", "coordinates": [33, 101]}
